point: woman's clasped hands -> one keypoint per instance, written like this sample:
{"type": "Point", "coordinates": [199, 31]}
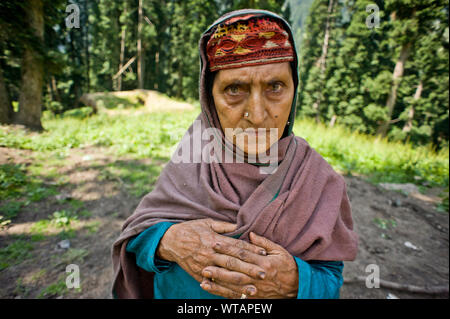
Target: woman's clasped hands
{"type": "Point", "coordinates": [228, 267]}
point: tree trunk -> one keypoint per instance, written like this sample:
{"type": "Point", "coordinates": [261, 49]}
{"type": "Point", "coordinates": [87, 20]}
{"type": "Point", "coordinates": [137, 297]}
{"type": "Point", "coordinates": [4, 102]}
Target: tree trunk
{"type": "Point", "coordinates": [122, 51]}
{"type": "Point", "coordinates": [140, 66]}
{"type": "Point", "coordinates": [396, 78]}
{"type": "Point", "coordinates": [122, 56]}
{"type": "Point", "coordinates": [55, 90]}
{"type": "Point", "coordinates": [408, 125]}
{"type": "Point", "coordinates": [30, 98]}
{"type": "Point", "coordinates": [333, 120]}
{"type": "Point", "coordinates": [86, 46]}
{"type": "Point", "coordinates": [155, 86]}
{"type": "Point", "coordinates": [49, 91]}
{"type": "Point", "coordinates": [321, 62]}
{"type": "Point", "coordinates": [6, 110]}
{"type": "Point", "coordinates": [180, 82]}
{"type": "Point", "coordinates": [76, 61]}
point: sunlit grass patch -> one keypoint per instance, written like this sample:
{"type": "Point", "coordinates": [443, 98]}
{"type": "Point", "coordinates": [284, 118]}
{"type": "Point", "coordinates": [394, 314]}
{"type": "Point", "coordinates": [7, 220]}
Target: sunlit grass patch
{"type": "Point", "coordinates": [378, 159]}
{"type": "Point", "coordinates": [144, 135]}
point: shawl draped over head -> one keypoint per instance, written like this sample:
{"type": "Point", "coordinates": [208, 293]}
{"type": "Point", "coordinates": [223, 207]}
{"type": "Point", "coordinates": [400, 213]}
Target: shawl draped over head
{"type": "Point", "coordinates": [302, 206]}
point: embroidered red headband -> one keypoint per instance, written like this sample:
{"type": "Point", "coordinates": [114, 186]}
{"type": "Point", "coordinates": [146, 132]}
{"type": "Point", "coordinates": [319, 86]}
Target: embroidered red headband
{"type": "Point", "coordinates": [259, 40]}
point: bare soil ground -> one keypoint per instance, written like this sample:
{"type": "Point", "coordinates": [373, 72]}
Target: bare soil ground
{"type": "Point", "coordinates": [384, 221]}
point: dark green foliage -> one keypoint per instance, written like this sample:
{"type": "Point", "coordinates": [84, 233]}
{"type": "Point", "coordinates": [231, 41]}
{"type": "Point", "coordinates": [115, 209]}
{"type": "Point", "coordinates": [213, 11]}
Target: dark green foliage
{"type": "Point", "coordinates": [351, 87]}
{"type": "Point", "coordinates": [360, 62]}
{"type": "Point", "coordinates": [86, 59]}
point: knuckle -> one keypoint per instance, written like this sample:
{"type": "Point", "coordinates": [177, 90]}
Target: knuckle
{"type": "Point", "coordinates": [236, 279]}
{"type": "Point", "coordinates": [212, 286]}
{"type": "Point", "coordinates": [242, 254]}
{"type": "Point", "coordinates": [240, 244]}
{"type": "Point", "coordinates": [226, 248]}
{"type": "Point", "coordinates": [196, 268]}
{"type": "Point", "coordinates": [230, 263]}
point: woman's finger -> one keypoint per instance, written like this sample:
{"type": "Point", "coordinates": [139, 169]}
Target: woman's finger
{"type": "Point", "coordinates": [239, 252]}
{"type": "Point", "coordinates": [235, 264]}
{"type": "Point", "coordinates": [221, 227]}
{"type": "Point", "coordinates": [264, 242]}
{"type": "Point", "coordinates": [242, 244]}
{"type": "Point", "coordinates": [226, 276]}
{"type": "Point", "coordinates": [217, 289]}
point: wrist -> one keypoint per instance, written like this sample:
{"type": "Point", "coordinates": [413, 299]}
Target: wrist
{"type": "Point", "coordinates": [292, 290]}
{"type": "Point", "coordinates": [164, 248]}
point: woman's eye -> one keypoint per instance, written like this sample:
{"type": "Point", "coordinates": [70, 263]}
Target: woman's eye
{"type": "Point", "coordinates": [233, 89]}
{"type": "Point", "coordinates": [276, 87]}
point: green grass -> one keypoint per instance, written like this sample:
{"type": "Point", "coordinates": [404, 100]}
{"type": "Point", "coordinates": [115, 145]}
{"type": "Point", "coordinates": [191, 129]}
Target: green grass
{"type": "Point", "coordinates": [93, 226]}
{"type": "Point", "coordinates": [62, 221]}
{"type": "Point", "coordinates": [72, 255]}
{"type": "Point", "coordinates": [19, 186]}
{"type": "Point", "coordinates": [136, 177]}
{"type": "Point", "coordinates": [58, 288]}
{"type": "Point", "coordinates": [378, 159]}
{"type": "Point", "coordinates": [13, 179]}
{"type": "Point", "coordinates": [385, 223]}
{"type": "Point", "coordinates": [142, 135]}
{"type": "Point", "coordinates": [15, 253]}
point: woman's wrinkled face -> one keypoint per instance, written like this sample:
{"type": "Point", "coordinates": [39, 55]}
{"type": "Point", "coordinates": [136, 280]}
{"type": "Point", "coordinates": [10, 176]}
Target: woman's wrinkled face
{"type": "Point", "coordinates": [253, 104]}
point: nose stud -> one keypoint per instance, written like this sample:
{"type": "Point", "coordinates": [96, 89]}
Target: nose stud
{"type": "Point", "coordinates": [246, 114]}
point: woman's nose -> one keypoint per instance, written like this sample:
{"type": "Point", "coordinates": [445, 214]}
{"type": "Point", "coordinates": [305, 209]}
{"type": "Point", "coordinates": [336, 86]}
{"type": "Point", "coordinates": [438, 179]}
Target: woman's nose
{"type": "Point", "coordinates": [256, 108]}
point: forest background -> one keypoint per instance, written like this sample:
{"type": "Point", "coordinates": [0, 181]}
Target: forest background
{"type": "Point", "coordinates": [377, 67]}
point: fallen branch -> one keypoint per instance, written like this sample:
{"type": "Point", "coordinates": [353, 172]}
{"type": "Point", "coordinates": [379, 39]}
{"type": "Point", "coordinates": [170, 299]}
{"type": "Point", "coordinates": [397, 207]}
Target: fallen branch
{"type": "Point", "coordinates": [124, 68]}
{"type": "Point", "coordinates": [431, 290]}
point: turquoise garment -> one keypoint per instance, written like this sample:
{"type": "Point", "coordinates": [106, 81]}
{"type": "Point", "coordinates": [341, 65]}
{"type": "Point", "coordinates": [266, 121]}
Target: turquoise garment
{"type": "Point", "coordinates": [317, 279]}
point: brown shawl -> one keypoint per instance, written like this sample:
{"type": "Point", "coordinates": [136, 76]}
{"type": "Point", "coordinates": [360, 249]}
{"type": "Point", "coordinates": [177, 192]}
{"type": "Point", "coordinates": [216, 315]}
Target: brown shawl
{"type": "Point", "coordinates": [303, 206]}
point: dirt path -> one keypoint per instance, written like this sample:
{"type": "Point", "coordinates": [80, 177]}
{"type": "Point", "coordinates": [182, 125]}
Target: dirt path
{"type": "Point", "coordinates": [384, 220]}
{"type": "Point", "coordinates": [405, 219]}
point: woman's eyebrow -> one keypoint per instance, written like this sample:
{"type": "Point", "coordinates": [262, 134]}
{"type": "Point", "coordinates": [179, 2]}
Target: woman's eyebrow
{"type": "Point", "coordinates": [239, 82]}
{"type": "Point", "coordinates": [274, 80]}
{"type": "Point", "coordinates": [236, 82]}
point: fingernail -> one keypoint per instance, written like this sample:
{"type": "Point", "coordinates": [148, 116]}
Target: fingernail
{"type": "Point", "coordinates": [262, 274]}
{"type": "Point", "coordinates": [263, 252]}
{"type": "Point", "coordinates": [207, 273]}
{"type": "Point", "coordinates": [251, 291]}
{"type": "Point", "coordinates": [205, 285]}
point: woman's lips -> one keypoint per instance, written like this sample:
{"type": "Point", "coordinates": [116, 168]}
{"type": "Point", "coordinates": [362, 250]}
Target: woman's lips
{"type": "Point", "coordinates": [256, 132]}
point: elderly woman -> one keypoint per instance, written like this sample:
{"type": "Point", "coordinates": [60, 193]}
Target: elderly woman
{"type": "Point", "coordinates": [215, 229]}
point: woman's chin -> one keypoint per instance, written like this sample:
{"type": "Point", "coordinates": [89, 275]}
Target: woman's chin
{"type": "Point", "coordinates": [254, 149]}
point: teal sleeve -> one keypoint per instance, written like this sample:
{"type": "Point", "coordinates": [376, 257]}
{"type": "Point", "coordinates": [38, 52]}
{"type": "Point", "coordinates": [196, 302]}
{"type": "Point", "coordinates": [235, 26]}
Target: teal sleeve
{"type": "Point", "coordinates": [319, 279]}
{"type": "Point", "coordinates": [144, 247]}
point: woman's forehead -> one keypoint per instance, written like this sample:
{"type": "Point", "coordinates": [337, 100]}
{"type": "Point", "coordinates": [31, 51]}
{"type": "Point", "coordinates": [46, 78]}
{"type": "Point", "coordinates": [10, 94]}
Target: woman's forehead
{"type": "Point", "coordinates": [263, 73]}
